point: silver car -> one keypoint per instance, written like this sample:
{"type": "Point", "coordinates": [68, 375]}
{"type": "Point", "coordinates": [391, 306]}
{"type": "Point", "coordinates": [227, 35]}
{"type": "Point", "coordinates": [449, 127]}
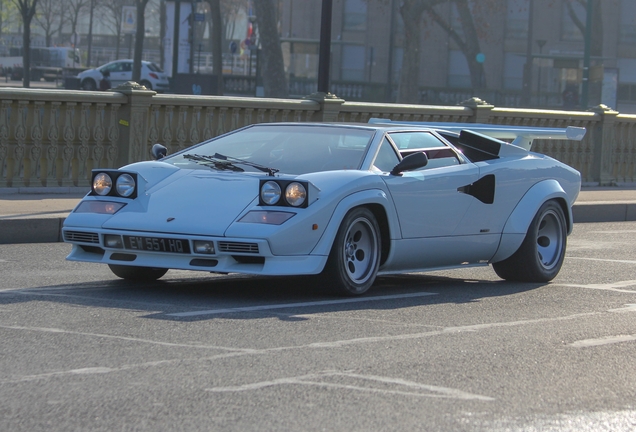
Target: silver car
{"type": "Point", "coordinates": [152, 76]}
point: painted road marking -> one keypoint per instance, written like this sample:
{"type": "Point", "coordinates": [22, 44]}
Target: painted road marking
{"type": "Point", "coordinates": [298, 305]}
{"type": "Point", "coordinates": [607, 340]}
{"type": "Point", "coordinates": [614, 286]}
{"type": "Point", "coordinates": [425, 390]}
{"type": "Point", "coordinates": [604, 260]}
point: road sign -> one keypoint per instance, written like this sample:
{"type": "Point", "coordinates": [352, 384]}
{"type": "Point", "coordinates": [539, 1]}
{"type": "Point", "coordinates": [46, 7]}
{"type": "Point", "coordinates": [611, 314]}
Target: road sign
{"type": "Point", "coordinates": [128, 19]}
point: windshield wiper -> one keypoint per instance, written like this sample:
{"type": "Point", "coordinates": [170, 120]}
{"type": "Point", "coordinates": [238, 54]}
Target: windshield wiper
{"type": "Point", "coordinates": [230, 159]}
{"type": "Point", "coordinates": [213, 162]}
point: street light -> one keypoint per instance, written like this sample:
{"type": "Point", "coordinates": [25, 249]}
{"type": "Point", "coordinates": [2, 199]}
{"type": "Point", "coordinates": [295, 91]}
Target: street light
{"type": "Point", "coordinates": [541, 43]}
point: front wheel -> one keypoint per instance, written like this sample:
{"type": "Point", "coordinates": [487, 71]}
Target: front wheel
{"type": "Point", "coordinates": [355, 255]}
{"type": "Point", "coordinates": [540, 256]}
{"type": "Point", "coordinates": [137, 273]}
{"type": "Point", "coordinates": [89, 84]}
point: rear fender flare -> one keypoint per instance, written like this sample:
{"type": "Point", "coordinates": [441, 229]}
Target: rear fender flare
{"type": "Point", "coordinates": [519, 220]}
{"type": "Point", "coordinates": [371, 197]}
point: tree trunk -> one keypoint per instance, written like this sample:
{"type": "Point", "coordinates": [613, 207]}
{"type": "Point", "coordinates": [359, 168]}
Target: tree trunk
{"type": "Point", "coordinates": [139, 39]}
{"type": "Point", "coordinates": [217, 44]}
{"type": "Point", "coordinates": [26, 53]}
{"type": "Point", "coordinates": [408, 87]}
{"type": "Point", "coordinates": [273, 67]}
{"type": "Point", "coordinates": [471, 47]}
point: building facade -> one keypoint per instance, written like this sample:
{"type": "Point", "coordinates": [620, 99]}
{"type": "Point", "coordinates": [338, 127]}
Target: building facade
{"type": "Point", "coordinates": [550, 35]}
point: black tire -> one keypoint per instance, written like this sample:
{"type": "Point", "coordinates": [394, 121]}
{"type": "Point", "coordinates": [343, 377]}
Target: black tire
{"type": "Point", "coordinates": [146, 84]}
{"type": "Point", "coordinates": [354, 259]}
{"type": "Point", "coordinates": [137, 273]}
{"type": "Point", "coordinates": [89, 84]}
{"type": "Point", "coordinates": [540, 256]}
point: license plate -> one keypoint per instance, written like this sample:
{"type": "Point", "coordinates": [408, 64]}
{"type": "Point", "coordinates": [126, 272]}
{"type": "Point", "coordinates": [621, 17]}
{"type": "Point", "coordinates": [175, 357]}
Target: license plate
{"type": "Point", "coordinates": [157, 244]}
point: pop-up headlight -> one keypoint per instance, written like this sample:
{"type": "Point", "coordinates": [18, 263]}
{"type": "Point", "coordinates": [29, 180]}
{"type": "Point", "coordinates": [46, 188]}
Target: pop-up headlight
{"type": "Point", "coordinates": [297, 194]}
{"type": "Point", "coordinates": [114, 183]}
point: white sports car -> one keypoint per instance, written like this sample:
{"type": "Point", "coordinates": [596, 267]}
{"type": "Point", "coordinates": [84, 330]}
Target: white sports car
{"type": "Point", "coordinates": [347, 202]}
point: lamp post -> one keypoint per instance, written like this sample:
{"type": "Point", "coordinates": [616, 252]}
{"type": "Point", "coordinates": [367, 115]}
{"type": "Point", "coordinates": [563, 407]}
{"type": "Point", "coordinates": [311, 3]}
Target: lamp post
{"type": "Point", "coordinates": [541, 43]}
{"type": "Point", "coordinates": [586, 56]}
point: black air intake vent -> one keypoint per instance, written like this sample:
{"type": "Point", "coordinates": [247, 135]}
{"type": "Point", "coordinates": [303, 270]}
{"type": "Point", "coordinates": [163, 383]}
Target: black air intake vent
{"type": "Point", "coordinates": [81, 237]}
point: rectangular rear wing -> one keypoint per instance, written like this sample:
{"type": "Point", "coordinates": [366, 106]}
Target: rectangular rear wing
{"type": "Point", "coordinates": [520, 136]}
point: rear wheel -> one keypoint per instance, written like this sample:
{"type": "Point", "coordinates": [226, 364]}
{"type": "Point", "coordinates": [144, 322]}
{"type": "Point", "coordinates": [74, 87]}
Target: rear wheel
{"type": "Point", "coordinates": [137, 273]}
{"type": "Point", "coordinates": [355, 255]}
{"type": "Point", "coordinates": [146, 84]}
{"type": "Point", "coordinates": [89, 84]}
{"type": "Point", "coordinates": [540, 256]}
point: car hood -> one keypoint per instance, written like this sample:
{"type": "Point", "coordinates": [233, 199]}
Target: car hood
{"type": "Point", "coordinates": [189, 202]}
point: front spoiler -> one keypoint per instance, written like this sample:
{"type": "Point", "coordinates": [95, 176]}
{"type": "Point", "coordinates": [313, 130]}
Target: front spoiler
{"type": "Point", "coordinates": [91, 248]}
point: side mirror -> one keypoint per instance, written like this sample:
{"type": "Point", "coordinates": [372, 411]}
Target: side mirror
{"type": "Point", "coordinates": [411, 162]}
{"type": "Point", "coordinates": [159, 151]}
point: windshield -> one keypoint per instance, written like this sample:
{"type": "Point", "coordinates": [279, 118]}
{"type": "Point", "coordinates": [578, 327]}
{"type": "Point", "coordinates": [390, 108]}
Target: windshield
{"type": "Point", "coordinates": [291, 149]}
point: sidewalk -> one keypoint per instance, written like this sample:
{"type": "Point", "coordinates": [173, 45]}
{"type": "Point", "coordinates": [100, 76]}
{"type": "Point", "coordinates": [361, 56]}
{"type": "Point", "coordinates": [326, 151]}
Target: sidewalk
{"type": "Point", "coordinates": [38, 218]}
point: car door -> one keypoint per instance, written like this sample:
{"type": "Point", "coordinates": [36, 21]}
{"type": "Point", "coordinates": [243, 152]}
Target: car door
{"type": "Point", "coordinates": [429, 201]}
{"type": "Point", "coordinates": [121, 73]}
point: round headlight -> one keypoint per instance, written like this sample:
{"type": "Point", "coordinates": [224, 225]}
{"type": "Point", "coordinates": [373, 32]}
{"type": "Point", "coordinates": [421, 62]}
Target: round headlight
{"type": "Point", "coordinates": [125, 185]}
{"type": "Point", "coordinates": [270, 192]}
{"type": "Point", "coordinates": [102, 184]}
{"type": "Point", "coordinates": [295, 194]}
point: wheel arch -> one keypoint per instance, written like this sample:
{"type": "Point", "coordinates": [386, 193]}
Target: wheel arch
{"type": "Point", "coordinates": [521, 217]}
{"type": "Point", "coordinates": [380, 205]}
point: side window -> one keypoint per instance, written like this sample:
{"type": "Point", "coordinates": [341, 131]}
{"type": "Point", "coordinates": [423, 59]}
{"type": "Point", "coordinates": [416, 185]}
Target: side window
{"type": "Point", "coordinates": [415, 140]}
{"type": "Point", "coordinates": [438, 152]}
{"type": "Point", "coordinates": [386, 158]}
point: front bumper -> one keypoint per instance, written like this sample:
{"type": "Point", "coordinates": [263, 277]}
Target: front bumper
{"type": "Point", "coordinates": [232, 255]}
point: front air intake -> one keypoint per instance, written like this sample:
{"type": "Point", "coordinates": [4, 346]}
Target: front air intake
{"type": "Point", "coordinates": [81, 237]}
{"type": "Point", "coordinates": [238, 247]}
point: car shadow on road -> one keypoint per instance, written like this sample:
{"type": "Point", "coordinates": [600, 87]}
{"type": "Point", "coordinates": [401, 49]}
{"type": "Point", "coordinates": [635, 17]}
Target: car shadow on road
{"type": "Point", "coordinates": [248, 297]}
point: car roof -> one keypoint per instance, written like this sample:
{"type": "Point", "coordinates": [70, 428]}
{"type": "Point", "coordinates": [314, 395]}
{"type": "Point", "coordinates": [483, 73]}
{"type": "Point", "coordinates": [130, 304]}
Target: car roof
{"type": "Point", "coordinates": [365, 126]}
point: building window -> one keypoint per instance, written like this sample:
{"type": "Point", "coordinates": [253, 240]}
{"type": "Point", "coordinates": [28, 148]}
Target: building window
{"type": "Point", "coordinates": [458, 72]}
{"type": "Point", "coordinates": [513, 71]}
{"type": "Point", "coordinates": [355, 15]}
{"type": "Point", "coordinates": [627, 80]}
{"type": "Point", "coordinates": [573, 15]}
{"type": "Point", "coordinates": [517, 19]}
{"type": "Point", "coordinates": [627, 29]}
{"type": "Point", "coordinates": [353, 63]}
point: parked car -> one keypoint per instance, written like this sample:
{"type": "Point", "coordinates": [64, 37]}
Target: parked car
{"type": "Point", "coordinates": [346, 202]}
{"type": "Point", "coordinates": [152, 77]}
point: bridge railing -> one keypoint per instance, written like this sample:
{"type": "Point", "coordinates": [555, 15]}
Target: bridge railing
{"type": "Point", "coordinates": [54, 138]}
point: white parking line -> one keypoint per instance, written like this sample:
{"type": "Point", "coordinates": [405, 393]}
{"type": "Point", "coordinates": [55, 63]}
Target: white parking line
{"type": "Point", "coordinates": [604, 260]}
{"type": "Point", "coordinates": [614, 286]}
{"type": "Point", "coordinates": [608, 340]}
{"type": "Point", "coordinates": [433, 391]}
{"type": "Point", "coordinates": [297, 305]}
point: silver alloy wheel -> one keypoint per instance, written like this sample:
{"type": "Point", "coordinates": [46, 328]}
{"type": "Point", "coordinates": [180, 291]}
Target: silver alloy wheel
{"type": "Point", "coordinates": [549, 239]}
{"type": "Point", "coordinates": [360, 250]}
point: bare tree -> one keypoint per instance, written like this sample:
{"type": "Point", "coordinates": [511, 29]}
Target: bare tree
{"type": "Point", "coordinates": [112, 13]}
{"type": "Point", "coordinates": [467, 39]}
{"type": "Point", "coordinates": [50, 18]}
{"type": "Point", "coordinates": [273, 69]}
{"type": "Point", "coordinates": [27, 10]}
{"type": "Point", "coordinates": [74, 10]}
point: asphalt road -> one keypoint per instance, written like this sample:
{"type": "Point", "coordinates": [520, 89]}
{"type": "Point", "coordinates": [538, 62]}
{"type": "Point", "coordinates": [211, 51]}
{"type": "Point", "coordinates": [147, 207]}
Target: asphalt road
{"type": "Point", "coordinates": [449, 351]}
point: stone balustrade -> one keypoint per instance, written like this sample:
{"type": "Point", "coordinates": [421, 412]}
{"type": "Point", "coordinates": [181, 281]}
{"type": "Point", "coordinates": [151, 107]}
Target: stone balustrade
{"type": "Point", "coordinates": [54, 138]}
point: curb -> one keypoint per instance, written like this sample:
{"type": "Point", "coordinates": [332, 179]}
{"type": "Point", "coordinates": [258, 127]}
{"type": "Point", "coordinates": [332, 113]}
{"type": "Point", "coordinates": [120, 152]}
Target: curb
{"type": "Point", "coordinates": [31, 230]}
{"type": "Point", "coordinates": [604, 212]}
{"type": "Point", "coordinates": [49, 230]}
